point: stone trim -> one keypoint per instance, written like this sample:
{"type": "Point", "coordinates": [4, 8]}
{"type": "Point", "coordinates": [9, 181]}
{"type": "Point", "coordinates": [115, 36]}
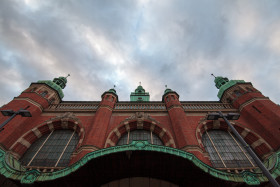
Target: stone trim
{"type": "Point", "coordinates": [205, 126]}
{"type": "Point", "coordinates": [84, 148]}
{"type": "Point", "coordinates": [257, 143]}
{"type": "Point", "coordinates": [24, 142]}
{"type": "Point", "coordinates": [140, 118]}
{"type": "Point", "coordinates": [30, 101]}
{"type": "Point", "coordinates": [37, 132]}
{"type": "Point", "coordinates": [63, 121]}
{"type": "Point", "coordinates": [193, 148]}
{"type": "Point", "coordinates": [251, 101]}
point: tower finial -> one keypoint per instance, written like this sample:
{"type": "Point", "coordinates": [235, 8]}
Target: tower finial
{"type": "Point", "coordinates": [114, 86]}
{"type": "Point", "coordinates": [166, 86]}
{"type": "Point", "coordinates": [67, 75]}
{"type": "Point", "coordinates": [213, 75]}
{"type": "Point", "coordinates": [140, 83]}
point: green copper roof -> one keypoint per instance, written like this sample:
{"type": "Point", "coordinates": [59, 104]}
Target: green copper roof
{"type": "Point", "coordinates": [167, 90]}
{"type": "Point", "coordinates": [220, 81]}
{"type": "Point", "coordinates": [113, 91]}
{"type": "Point", "coordinates": [223, 83]}
{"type": "Point", "coordinates": [9, 169]}
{"type": "Point", "coordinates": [139, 94]}
{"type": "Point", "coordinates": [58, 84]}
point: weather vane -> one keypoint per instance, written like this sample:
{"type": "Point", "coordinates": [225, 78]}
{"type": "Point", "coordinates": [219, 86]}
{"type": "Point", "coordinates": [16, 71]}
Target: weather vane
{"type": "Point", "coordinates": [213, 75]}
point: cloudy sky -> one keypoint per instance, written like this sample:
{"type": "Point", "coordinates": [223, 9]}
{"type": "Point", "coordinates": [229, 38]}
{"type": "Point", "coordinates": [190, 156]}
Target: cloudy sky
{"type": "Point", "coordinates": [167, 42]}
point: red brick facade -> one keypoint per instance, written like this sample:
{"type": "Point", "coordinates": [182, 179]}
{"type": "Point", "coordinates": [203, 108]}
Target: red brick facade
{"type": "Point", "coordinates": [179, 124]}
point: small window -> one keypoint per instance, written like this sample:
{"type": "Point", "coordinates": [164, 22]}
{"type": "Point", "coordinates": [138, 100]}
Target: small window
{"type": "Point", "coordinates": [44, 93]}
{"type": "Point", "coordinates": [237, 93]}
{"type": "Point", "coordinates": [139, 135]}
{"type": "Point", "coordinates": [249, 89]}
{"type": "Point", "coordinates": [229, 100]}
{"type": "Point", "coordinates": [33, 89]}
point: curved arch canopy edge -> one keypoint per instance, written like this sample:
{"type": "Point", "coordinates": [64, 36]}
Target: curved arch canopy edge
{"type": "Point", "coordinates": [29, 177]}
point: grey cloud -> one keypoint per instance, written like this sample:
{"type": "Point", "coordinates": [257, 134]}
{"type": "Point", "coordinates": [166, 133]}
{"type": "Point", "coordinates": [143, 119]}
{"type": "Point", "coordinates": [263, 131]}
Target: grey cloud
{"type": "Point", "coordinates": [175, 43]}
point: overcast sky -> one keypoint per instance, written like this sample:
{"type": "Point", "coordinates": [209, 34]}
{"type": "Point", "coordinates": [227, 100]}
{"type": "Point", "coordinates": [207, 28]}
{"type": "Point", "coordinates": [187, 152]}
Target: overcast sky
{"type": "Point", "coordinates": [167, 42]}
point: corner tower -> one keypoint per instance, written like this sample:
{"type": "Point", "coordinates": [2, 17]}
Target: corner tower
{"type": "Point", "coordinates": [177, 116]}
{"type": "Point", "coordinates": [139, 94]}
{"type": "Point", "coordinates": [96, 134]}
{"type": "Point", "coordinates": [260, 113]}
{"type": "Point", "coordinates": [37, 97]}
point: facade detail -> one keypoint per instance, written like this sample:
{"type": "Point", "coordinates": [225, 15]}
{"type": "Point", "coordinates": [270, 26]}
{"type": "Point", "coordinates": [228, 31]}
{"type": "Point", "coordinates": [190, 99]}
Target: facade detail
{"type": "Point", "coordinates": [112, 142]}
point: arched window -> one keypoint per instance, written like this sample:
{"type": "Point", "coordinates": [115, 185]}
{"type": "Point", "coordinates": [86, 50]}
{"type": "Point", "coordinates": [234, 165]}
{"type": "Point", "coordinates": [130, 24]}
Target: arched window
{"type": "Point", "coordinates": [226, 151]}
{"type": "Point", "coordinates": [43, 94]}
{"type": "Point", "coordinates": [51, 150]}
{"type": "Point", "coordinates": [139, 135]}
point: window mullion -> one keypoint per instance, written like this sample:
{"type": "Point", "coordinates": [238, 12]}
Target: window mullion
{"type": "Point", "coordinates": [39, 149]}
{"type": "Point", "coordinates": [64, 149]}
{"type": "Point", "coordinates": [242, 150]}
{"type": "Point", "coordinates": [127, 141]}
{"type": "Point", "coordinates": [216, 149]}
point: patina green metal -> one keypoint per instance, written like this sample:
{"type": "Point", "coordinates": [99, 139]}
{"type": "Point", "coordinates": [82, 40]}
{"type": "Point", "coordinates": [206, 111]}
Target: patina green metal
{"type": "Point", "coordinates": [250, 178]}
{"type": "Point", "coordinates": [29, 177]}
{"type": "Point", "coordinates": [222, 83]}
{"type": "Point", "coordinates": [113, 91]}
{"type": "Point", "coordinates": [54, 86]}
{"type": "Point", "coordinates": [167, 90]}
{"type": "Point", "coordinates": [60, 81]}
{"type": "Point", "coordinates": [58, 84]}
{"type": "Point", "coordinates": [139, 94]}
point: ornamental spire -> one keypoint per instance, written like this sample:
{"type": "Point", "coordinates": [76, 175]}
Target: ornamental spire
{"type": "Point", "coordinates": [61, 81]}
{"type": "Point", "coordinates": [213, 75]}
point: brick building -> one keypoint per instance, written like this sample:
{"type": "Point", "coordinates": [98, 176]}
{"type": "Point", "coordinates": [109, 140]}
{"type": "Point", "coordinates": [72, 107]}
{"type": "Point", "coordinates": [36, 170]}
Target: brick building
{"type": "Point", "coordinates": [138, 142]}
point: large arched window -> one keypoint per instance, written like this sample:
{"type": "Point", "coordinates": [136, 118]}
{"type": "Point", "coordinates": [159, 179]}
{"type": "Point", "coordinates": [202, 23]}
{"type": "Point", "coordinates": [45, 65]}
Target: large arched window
{"type": "Point", "coordinates": [139, 135]}
{"type": "Point", "coordinates": [51, 150]}
{"type": "Point", "coordinates": [226, 151]}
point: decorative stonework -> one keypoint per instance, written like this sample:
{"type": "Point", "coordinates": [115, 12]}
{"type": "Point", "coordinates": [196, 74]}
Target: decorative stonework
{"type": "Point", "coordinates": [205, 125]}
{"type": "Point", "coordinates": [140, 118]}
{"type": "Point", "coordinates": [30, 176]}
{"type": "Point", "coordinates": [250, 178]}
{"type": "Point", "coordinates": [64, 121]}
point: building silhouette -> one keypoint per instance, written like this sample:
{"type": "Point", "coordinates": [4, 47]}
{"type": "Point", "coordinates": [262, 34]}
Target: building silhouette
{"type": "Point", "coordinates": [138, 142]}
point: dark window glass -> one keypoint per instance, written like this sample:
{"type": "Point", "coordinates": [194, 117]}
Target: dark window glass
{"type": "Point", "coordinates": [140, 135]}
{"type": "Point", "coordinates": [51, 149]}
{"type": "Point", "coordinates": [237, 93]}
{"type": "Point", "coordinates": [249, 89]}
{"type": "Point", "coordinates": [43, 94]}
{"type": "Point", "coordinates": [228, 149]}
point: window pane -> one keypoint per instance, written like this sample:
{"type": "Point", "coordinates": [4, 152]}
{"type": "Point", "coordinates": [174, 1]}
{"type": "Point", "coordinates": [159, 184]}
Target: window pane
{"type": "Point", "coordinates": [52, 149]}
{"type": "Point", "coordinates": [139, 135]}
{"type": "Point", "coordinates": [230, 152]}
